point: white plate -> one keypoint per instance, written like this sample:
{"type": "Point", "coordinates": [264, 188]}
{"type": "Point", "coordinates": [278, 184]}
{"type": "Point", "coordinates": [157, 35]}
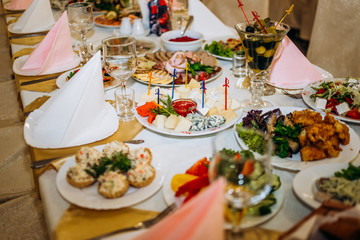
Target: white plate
{"type": "Point", "coordinates": [177, 85]}
{"type": "Point", "coordinates": [90, 198]}
{"type": "Point", "coordinates": [106, 128]}
{"type": "Point", "coordinates": [294, 163]}
{"type": "Point", "coordinates": [169, 195]}
{"type": "Point", "coordinates": [307, 91]}
{"type": "Point", "coordinates": [324, 74]}
{"type": "Point", "coordinates": [218, 39]}
{"type": "Point", "coordinates": [19, 63]}
{"type": "Point", "coordinates": [145, 123]}
{"type": "Point", "coordinates": [11, 29]}
{"type": "Point", "coordinates": [104, 25]}
{"type": "Point", "coordinates": [304, 182]}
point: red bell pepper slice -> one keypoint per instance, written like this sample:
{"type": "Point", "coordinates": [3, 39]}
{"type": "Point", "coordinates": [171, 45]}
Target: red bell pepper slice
{"type": "Point", "coordinates": [200, 168]}
{"type": "Point", "coordinates": [354, 113]}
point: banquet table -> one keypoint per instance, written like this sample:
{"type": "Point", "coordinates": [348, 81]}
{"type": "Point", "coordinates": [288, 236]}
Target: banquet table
{"type": "Point", "coordinates": [176, 149]}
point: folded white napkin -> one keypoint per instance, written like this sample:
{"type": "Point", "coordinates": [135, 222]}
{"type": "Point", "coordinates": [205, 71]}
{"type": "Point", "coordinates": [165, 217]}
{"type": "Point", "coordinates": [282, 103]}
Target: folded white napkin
{"type": "Point", "coordinates": [36, 18]}
{"type": "Point", "coordinates": [206, 22]}
{"type": "Point", "coordinates": [77, 115]}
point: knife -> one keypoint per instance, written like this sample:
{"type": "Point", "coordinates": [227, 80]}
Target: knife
{"type": "Point", "coordinates": [28, 35]}
{"type": "Point", "coordinates": [39, 80]}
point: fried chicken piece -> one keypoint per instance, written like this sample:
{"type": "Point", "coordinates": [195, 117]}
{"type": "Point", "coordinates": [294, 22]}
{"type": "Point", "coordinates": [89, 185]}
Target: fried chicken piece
{"type": "Point", "coordinates": [320, 132]}
{"type": "Point", "coordinates": [311, 153]}
{"type": "Point", "coordinates": [303, 140]}
{"type": "Point", "coordinates": [328, 148]}
{"type": "Point", "coordinates": [306, 117]}
{"type": "Point", "coordinates": [343, 132]}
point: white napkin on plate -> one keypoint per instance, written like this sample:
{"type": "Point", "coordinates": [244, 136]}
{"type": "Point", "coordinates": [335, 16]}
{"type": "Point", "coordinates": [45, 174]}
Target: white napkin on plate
{"type": "Point", "coordinates": [36, 18]}
{"type": "Point", "coordinates": [206, 22]}
{"type": "Point", "coordinates": [77, 115]}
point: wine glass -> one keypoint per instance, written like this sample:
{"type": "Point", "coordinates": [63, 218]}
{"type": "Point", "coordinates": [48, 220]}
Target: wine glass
{"type": "Point", "coordinates": [260, 50]}
{"type": "Point", "coordinates": [81, 21]}
{"type": "Point", "coordinates": [248, 175]}
{"type": "Point", "coordinates": [179, 10]}
{"type": "Point", "coordinates": [120, 59]}
{"type": "Point", "coordinates": [60, 4]}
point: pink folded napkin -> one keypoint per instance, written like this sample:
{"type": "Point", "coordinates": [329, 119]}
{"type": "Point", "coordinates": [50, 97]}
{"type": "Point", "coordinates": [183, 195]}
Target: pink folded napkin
{"type": "Point", "coordinates": [54, 50]}
{"type": "Point", "coordinates": [200, 218]}
{"type": "Point", "coordinates": [19, 4]}
{"type": "Point", "coordinates": [291, 68]}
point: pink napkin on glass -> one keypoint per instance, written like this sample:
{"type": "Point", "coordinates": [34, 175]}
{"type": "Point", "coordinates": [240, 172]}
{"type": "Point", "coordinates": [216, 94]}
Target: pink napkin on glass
{"type": "Point", "coordinates": [291, 68]}
{"type": "Point", "coordinates": [54, 50]}
{"type": "Point", "coordinates": [200, 218]}
{"type": "Point", "coordinates": [19, 4]}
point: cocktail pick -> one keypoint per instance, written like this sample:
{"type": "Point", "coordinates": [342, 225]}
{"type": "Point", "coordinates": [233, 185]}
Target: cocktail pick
{"type": "Point", "coordinates": [241, 5]}
{"type": "Point", "coordinates": [226, 85]}
{"type": "Point", "coordinates": [203, 88]}
{"type": "Point", "coordinates": [256, 17]}
{"type": "Point", "coordinates": [186, 73]}
{"type": "Point", "coordinates": [150, 77]}
{"type": "Point", "coordinates": [173, 85]}
{"type": "Point", "coordinates": [287, 12]}
{"type": "Point", "coordinates": [157, 92]}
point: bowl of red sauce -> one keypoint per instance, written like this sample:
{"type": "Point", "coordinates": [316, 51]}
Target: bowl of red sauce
{"type": "Point", "coordinates": [184, 106]}
{"type": "Point", "coordinates": [173, 41]}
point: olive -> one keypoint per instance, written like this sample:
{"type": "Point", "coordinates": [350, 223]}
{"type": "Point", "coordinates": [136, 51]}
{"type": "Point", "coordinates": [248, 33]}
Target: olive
{"type": "Point", "coordinates": [269, 53]}
{"type": "Point", "coordinates": [260, 50]}
{"type": "Point", "coordinates": [269, 45]}
{"type": "Point", "coordinates": [263, 62]}
{"type": "Point", "coordinates": [250, 29]}
{"type": "Point", "coordinates": [246, 43]}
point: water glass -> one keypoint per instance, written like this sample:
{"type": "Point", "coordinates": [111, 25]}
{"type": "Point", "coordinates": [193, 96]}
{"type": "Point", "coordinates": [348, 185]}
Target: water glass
{"type": "Point", "coordinates": [179, 10]}
{"type": "Point", "coordinates": [239, 64]}
{"type": "Point", "coordinates": [125, 103]}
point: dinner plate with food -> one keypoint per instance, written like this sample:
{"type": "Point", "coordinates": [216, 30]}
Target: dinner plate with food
{"type": "Point", "coordinates": [161, 65]}
{"type": "Point", "coordinates": [111, 176]}
{"type": "Point", "coordinates": [190, 112]}
{"type": "Point", "coordinates": [112, 19]}
{"type": "Point", "coordinates": [192, 173]}
{"type": "Point", "coordinates": [338, 182]}
{"type": "Point", "coordinates": [223, 48]}
{"type": "Point", "coordinates": [303, 138]}
{"type": "Point", "coordinates": [109, 82]}
{"type": "Point", "coordinates": [341, 97]}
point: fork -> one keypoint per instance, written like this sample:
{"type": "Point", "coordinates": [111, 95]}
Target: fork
{"type": "Point", "coordinates": [141, 225]}
{"type": "Point", "coordinates": [293, 95]}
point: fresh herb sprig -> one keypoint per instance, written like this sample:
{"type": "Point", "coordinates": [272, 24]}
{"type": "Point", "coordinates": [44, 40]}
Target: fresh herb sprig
{"type": "Point", "coordinates": [282, 134]}
{"type": "Point", "coordinates": [167, 109]}
{"type": "Point", "coordinates": [197, 66]}
{"type": "Point", "coordinates": [350, 173]}
{"type": "Point", "coordinates": [118, 161]}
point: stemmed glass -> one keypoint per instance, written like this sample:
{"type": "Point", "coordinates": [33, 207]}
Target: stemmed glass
{"type": "Point", "coordinates": [81, 21]}
{"type": "Point", "coordinates": [61, 4]}
{"type": "Point", "coordinates": [248, 175]}
{"type": "Point", "coordinates": [260, 49]}
{"type": "Point", "coordinates": [120, 59]}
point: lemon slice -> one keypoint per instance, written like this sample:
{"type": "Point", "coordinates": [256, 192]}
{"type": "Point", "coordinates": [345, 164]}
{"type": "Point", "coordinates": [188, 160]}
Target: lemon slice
{"type": "Point", "coordinates": [111, 15]}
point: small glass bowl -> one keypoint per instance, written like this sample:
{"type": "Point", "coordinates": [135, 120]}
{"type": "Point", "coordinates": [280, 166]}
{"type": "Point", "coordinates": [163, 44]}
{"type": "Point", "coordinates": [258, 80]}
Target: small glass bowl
{"type": "Point", "coordinates": [184, 106]}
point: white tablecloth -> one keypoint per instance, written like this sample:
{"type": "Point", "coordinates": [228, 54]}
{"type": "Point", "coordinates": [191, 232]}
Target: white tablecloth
{"type": "Point", "coordinates": [177, 148]}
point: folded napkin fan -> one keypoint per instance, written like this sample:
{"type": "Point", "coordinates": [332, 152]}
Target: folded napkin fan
{"type": "Point", "coordinates": [206, 22]}
{"type": "Point", "coordinates": [200, 218]}
{"type": "Point", "coordinates": [54, 51]}
{"type": "Point", "coordinates": [18, 4]}
{"type": "Point", "coordinates": [76, 115]}
{"type": "Point", "coordinates": [36, 18]}
{"type": "Point", "coordinates": [291, 68]}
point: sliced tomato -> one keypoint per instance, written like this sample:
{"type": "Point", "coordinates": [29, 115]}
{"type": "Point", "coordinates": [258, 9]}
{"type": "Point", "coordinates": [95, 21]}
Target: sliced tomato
{"type": "Point", "coordinates": [354, 113]}
{"type": "Point", "coordinates": [200, 168]}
